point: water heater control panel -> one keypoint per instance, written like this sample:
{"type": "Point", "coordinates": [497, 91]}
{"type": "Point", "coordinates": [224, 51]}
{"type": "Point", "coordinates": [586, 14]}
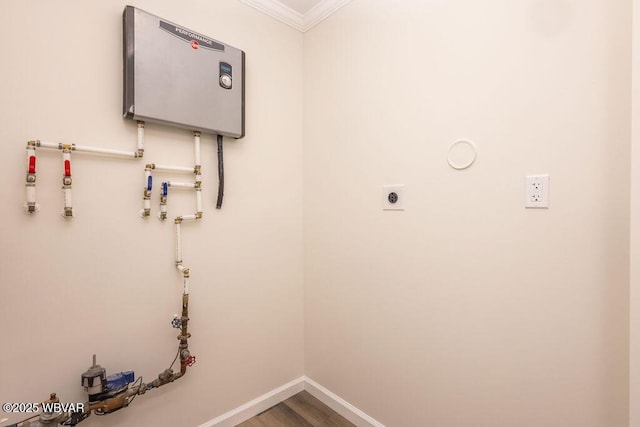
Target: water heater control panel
{"type": "Point", "coordinates": [226, 80]}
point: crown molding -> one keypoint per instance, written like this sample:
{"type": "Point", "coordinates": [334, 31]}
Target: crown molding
{"type": "Point", "coordinates": [299, 21]}
{"type": "Point", "coordinates": [320, 12]}
{"type": "Point", "coordinates": [277, 10]}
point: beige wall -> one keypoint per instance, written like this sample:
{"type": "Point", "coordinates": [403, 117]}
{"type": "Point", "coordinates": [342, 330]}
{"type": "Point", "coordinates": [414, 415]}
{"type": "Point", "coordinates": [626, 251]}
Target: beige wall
{"type": "Point", "coordinates": [634, 297]}
{"type": "Point", "coordinates": [105, 282]}
{"type": "Point", "coordinates": [466, 309]}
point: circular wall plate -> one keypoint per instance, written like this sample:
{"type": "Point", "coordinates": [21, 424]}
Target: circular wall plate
{"type": "Point", "coordinates": [462, 154]}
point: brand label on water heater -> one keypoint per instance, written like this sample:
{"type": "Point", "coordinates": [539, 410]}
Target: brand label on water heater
{"type": "Point", "coordinates": [190, 36]}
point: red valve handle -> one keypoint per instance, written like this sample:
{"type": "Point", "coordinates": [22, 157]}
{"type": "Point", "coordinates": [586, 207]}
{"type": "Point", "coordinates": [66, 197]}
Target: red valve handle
{"type": "Point", "coordinates": [32, 164]}
{"type": "Point", "coordinates": [67, 168]}
{"type": "Point", "coordinates": [190, 361]}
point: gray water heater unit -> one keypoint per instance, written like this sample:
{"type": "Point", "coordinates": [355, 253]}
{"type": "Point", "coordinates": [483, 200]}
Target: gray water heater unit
{"type": "Point", "coordinates": [175, 76]}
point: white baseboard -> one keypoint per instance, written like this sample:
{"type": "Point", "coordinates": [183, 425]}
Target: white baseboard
{"type": "Point", "coordinates": [339, 405]}
{"type": "Point", "coordinates": [257, 405]}
{"type": "Point", "coordinates": [282, 393]}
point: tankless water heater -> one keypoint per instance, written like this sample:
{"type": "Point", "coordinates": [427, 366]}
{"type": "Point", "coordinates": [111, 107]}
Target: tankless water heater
{"type": "Point", "coordinates": [175, 76]}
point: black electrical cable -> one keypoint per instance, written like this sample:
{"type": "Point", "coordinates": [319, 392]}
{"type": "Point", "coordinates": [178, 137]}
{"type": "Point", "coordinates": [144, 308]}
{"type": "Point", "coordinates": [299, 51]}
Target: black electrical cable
{"type": "Point", "coordinates": [134, 384]}
{"type": "Point", "coordinates": [174, 360]}
{"type": "Point", "coordinates": [220, 174]}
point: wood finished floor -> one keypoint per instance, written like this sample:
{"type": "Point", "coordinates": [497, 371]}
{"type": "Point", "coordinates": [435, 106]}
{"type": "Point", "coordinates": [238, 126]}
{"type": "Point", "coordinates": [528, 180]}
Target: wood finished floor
{"type": "Point", "coordinates": [300, 410]}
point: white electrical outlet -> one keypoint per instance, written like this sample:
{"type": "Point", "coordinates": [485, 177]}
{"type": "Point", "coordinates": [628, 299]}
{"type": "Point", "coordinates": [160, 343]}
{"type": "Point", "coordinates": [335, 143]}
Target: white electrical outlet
{"type": "Point", "coordinates": [393, 197]}
{"type": "Point", "coordinates": [537, 191]}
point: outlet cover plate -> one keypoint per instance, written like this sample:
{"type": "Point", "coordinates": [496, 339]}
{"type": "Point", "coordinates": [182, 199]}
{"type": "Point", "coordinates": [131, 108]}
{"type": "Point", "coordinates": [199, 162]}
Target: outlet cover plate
{"type": "Point", "coordinates": [537, 191]}
{"type": "Point", "coordinates": [393, 197]}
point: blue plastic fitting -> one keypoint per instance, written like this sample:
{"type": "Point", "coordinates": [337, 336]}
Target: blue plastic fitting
{"type": "Point", "coordinates": [119, 380]}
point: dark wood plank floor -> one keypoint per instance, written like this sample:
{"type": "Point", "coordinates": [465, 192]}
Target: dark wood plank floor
{"type": "Point", "coordinates": [300, 410]}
